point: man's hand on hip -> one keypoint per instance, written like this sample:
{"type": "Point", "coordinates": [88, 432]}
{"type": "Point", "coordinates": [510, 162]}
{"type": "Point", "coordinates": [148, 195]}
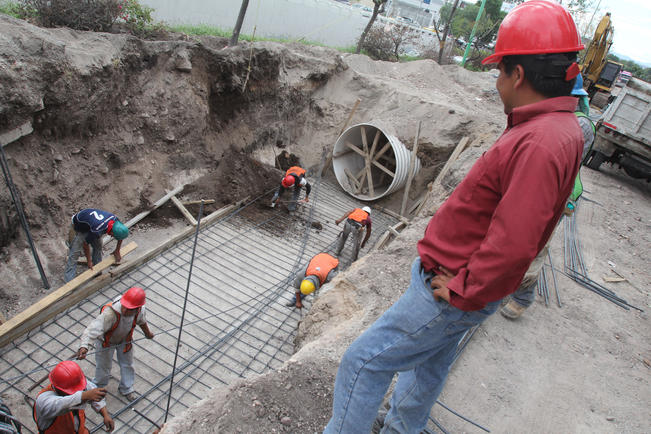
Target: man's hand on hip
{"type": "Point", "coordinates": [440, 285]}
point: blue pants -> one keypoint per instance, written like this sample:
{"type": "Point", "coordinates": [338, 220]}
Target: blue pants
{"type": "Point", "coordinates": [416, 337]}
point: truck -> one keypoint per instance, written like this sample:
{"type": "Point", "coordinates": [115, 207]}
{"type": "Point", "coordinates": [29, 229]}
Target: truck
{"type": "Point", "coordinates": [623, 134]}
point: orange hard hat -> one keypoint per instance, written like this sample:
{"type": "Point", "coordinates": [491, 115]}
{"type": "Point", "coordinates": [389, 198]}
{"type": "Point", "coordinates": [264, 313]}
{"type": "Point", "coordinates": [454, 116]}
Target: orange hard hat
{"type": "Point", "coordinates": [536, 27]}
{"type": "Point", "coordinates": [68, 377]}
{"type": "Point", "coordinates": [288, 181]}
{"type": "Point", "coordinates": [133, 298]}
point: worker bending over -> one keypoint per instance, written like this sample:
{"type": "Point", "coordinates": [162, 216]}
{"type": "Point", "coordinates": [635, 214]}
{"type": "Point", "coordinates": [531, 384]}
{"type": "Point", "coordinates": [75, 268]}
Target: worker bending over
{"type": "Point", "coordinates": [322, 268]}
{"type": "Point", "coordinates": [356, 221]}
{"type": "Point", "coordinates": [88, 226]}
{"type": "Point", "coordinates": [294, 176]}
{"type": "Point", "coordinates": [59, 408]}
{"type": "Point", "coordinates": [113, 330]}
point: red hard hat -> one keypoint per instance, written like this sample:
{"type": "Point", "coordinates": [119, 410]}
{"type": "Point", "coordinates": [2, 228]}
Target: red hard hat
{"type": "Point", "coordinates": [536, 27]}
{"type": "Point", "coordinates": [133, 298]}
{"type": "Point", "coordinates": [68, 377]}
{"type": "Point", "coordinates": [288, 181]}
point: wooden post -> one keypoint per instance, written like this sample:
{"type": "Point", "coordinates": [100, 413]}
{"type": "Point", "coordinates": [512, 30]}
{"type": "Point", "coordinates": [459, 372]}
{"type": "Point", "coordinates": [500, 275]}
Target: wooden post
{"type": "Point", "coordinates": [350, 116]}
{"type": "Point", "coordinates": [412, 166]}
{"type": "Point", "coordinates": [198, 202]}
{"type": "Point", "coordinates": [142, 215]}
{"type": "Point", "coordinates": [184, 211]}
{"type": "Point", "coordinates": [453, 157]}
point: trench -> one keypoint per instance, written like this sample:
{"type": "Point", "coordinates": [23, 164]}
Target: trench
{"type": "Point", "coordinates": [236, 323]}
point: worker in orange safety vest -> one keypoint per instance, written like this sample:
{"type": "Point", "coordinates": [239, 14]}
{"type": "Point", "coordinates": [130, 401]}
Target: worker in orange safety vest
{"type": "Point", "coordinates": [294, 177]}
{"type": "Point", "coordinates": [321, 269]}
{"type": "Point", "coordinates": [59, 408]}
{"type": "Point", "coordinates": [356, 221]}
{"type": "Point", "coordinates": [113, 330]}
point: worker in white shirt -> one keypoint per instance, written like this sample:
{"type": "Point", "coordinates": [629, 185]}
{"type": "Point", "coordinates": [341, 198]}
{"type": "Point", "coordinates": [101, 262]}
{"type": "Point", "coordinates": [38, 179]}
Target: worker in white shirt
{"type": "Point", "coordinates": [59, 408]}
{"type": "Point", "coordinates": [113, 330]}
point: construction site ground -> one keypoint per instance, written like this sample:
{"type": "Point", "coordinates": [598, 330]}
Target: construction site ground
{"type": "Point", "coordinates": [118, 120]}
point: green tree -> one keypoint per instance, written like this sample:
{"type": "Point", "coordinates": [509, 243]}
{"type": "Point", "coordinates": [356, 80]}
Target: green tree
{"type": "Point", "coordinates": [376, 10]}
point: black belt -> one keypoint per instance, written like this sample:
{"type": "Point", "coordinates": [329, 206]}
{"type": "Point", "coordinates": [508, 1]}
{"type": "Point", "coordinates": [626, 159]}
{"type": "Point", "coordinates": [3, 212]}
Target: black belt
{"type": "Point", "coordinates": [355, 223]}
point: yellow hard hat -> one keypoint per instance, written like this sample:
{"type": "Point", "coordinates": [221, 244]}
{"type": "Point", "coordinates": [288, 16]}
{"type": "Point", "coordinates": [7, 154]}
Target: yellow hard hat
{"type": "Point", "coordinates": [307, 286]}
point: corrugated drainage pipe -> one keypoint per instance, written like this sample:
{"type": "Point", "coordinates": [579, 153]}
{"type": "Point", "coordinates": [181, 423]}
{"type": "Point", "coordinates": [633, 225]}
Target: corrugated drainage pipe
{"type": "Point", "coordinates": [370, 162]}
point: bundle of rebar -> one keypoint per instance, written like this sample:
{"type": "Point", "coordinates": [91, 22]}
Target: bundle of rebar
{"type": "Point", "coordinates": [575, 265]}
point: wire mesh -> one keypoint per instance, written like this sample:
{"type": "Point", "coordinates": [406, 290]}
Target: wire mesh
{"type": "Point", "coordinates": [236, 322]}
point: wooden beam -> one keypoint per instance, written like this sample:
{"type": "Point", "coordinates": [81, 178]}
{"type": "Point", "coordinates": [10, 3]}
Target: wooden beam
{"type": "Point", "coordinates": [342, 153]}
{"type": "Point", "coordinates": [384, 169]}
{"type": "Point", "coordinates": [142, 215]}
{"type": "Point", "coordinates": [382, 241]}
{"type": "Point", "coordinates": [453, 157]}
{"type": "Point", "coordinates": [352, 178]}
{"type": "Point", "coordinates": [356, 149]}
{"type": "Point", "coordinates": [410, 177]}
{"type": "Point", "coordinates": [198, 202]}
{"type": "Point", "coordinates": [184, 211]}
{"type": "Point", "coordinates": [386, 146]}
{"type": "Point", "coordinates": [53, 303]}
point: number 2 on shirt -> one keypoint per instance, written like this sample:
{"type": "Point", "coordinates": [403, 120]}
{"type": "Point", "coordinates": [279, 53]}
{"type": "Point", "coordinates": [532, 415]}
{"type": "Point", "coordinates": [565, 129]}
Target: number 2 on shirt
{"type": "Point", "coordinates": [97, 216]}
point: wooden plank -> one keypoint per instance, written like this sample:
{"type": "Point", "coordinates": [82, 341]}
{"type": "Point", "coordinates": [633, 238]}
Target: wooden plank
{"type": "Point", "coordinates": [184, 211]}
{"type": "Point", "coordinates": [383, 240]}
{"type": "Point", "coordinates": [142, 215]}
{"type": "Point", "coordinates": [386, 146]}
{"type": "Point", "coordinates": [453, 157]}
{"type": "Point", "coordinates": [43, 310]}
{"type": "Point", "coordinates": [356, 149]}
{"type": "Point", "coordinates": [340, 154]}
{"type": "Point", "coordinates": [16, 133]}
{"type": "Point", "coordinates": [384, 169]}
{"type": "Point", "coordinates": [198, 202]}
{"type": "Point", "coordinates": [393, 231]}
{"type": "Point", "coordinates": [352, 178]}
{"type": "Point", "coordinates": [412, 166]}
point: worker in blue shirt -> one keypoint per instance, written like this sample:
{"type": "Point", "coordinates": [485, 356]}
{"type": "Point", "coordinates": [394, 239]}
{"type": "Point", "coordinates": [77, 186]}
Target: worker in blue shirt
{"type": "Point", "coordinates": [89, 225]}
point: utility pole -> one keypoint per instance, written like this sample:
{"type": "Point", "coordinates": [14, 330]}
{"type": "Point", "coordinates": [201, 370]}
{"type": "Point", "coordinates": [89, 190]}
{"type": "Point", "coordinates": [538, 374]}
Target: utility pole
{"type": "Point", "coordinates": [472, 34]}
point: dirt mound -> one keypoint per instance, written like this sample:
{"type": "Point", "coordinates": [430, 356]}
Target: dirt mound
{"type": "Point", "coordinates": [237, 176]}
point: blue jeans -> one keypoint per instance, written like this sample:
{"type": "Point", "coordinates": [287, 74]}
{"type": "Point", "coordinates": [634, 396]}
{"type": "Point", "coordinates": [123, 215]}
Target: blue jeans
{"type": "Point", "coordinates": [416, 337]}
{"type": "Point", "coordinates": [74, 251]}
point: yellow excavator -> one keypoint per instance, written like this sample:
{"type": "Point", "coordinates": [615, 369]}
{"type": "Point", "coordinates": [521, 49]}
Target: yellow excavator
{"type": "Point", "coordinates": [599, 73]}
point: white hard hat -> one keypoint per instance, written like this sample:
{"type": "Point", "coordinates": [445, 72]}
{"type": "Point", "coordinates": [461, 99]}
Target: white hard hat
{"type": "Point", "coordinates": [367, 210]}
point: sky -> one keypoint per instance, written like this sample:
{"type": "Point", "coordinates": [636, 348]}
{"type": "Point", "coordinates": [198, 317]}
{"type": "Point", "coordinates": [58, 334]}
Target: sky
{"type": "Point", "coordinates": [632, 22]}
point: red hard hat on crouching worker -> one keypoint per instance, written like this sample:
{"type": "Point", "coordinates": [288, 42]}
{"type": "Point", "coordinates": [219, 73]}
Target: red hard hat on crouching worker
{"type": "Point", "coordinates": [288, 181]}
{"type": "Point", "coordinates": [68, 377]}
{"type": "Point", "coordinates": [536, 27]}
{"type": "Point", "coordinates": [133, 298]}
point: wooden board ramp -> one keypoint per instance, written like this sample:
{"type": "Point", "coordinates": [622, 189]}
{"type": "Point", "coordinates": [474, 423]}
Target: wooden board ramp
{"type": "Point", "coordinates": [54, 302]}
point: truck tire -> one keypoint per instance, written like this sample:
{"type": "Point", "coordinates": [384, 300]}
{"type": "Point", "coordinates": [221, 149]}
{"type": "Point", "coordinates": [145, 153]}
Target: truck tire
{"type": "Point", "coordinates": [595, 160]}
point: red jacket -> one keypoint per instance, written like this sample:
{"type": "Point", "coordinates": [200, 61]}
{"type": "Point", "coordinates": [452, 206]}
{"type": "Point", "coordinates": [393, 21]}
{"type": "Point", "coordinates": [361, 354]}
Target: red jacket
{"type": "Point", "coordinates": [503, 212]}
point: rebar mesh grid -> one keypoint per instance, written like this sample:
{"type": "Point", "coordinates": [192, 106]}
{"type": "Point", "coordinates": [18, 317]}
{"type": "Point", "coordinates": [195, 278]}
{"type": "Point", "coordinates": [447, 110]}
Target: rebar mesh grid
{"type": "Point", "coordinates": [236, 322]}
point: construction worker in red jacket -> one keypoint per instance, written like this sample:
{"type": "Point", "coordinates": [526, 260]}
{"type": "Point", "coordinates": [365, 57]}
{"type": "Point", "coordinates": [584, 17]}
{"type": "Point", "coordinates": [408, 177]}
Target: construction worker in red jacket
{"type": "Point", "coordinates": [113, 330]}
{"type": "Point", "coordinates": [321, 269]}
{"type": "Point", "coordinates": [294, 176]}
{"type": "Point", "coordinates": [59, 408]}
{"type": "Point", "coordinates": [356, 221]}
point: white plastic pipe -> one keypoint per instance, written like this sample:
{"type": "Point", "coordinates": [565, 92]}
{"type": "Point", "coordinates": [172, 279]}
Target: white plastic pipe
{"type": "Point", "coordinates": [347, 162]}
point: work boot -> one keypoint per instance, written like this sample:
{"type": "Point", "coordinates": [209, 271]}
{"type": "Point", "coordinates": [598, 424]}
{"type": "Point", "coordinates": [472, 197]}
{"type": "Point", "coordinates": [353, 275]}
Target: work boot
{"type": "Point", "coordinates": [131, 396]}
{"type": "Point", "coordinates": [512, 310]}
